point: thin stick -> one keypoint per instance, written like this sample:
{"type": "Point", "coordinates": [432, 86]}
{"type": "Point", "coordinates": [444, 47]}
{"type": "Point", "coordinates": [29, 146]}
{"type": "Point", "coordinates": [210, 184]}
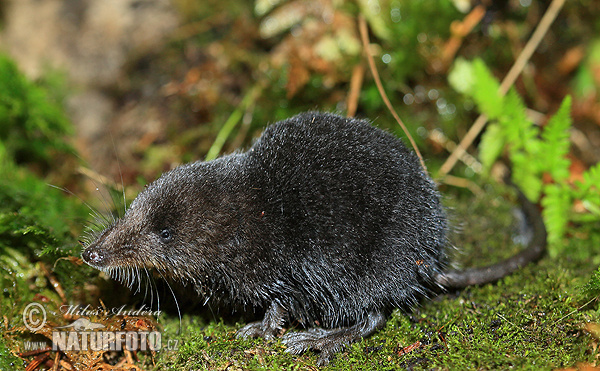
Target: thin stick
{"type": "Point", "coordinates": [358, 73]}
{"type": "Point", "coordinates": [576, 310]}
{"type": "Point", "coordinates": [464, 183]}
{"type": "Point", "coordinates": [365, 40]}
{"type": "Point", "coordinates": [508, 81]}
{"type": "Point", "coordinates": [459, 30]}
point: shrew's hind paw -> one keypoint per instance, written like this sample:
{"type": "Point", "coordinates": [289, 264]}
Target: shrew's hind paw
{"type": "Point", "coordinates": [327, 342]}
{"type": "Point", "coordinates": [330, 342]}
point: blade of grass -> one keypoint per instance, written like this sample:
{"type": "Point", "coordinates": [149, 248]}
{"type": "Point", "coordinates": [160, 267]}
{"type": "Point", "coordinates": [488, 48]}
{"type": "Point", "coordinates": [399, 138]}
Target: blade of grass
{"type": "Point", "coordinates": [231, 122]}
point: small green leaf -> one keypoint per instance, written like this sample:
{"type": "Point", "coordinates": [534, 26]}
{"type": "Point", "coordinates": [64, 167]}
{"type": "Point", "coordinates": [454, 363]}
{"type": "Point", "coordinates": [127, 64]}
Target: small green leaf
{"type": "Point", "coordinates": [520, 132]}
{"type": "Point", "coordinates": [492, 143]}
{"type": "Point", "coordinates": [557, 205]}
{"type": "Point", "coordinates": [556, 143]}
{"type": "Point", "coordinates": [525, 175]}
{"type": "Point", "coordinates": [461, 77]}
{"type": "Point", "coordinates": [589, 190]}
{"type": "Point", "coordinates": [485, 91]}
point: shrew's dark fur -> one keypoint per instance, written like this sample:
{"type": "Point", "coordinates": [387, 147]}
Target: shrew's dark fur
{"type": "Point", "coordinates": [325, 220]}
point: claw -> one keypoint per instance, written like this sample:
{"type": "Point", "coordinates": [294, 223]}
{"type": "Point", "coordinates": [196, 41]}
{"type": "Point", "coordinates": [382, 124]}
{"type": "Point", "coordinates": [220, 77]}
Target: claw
{"type": "Point", "coordinates": [253, 330]}
{"type": "Point", "coordinates": [269, 328]}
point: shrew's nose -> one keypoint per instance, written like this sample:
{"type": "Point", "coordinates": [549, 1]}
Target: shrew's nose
{"type": "Point", "coordinates": [92, 256]}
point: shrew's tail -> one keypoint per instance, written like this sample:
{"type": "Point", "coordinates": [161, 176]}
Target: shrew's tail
{"type": "Point", "coordinates": [494, 272]}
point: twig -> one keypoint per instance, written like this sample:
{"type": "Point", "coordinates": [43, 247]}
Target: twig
{"type": "Point", "coordinates": [37, 362]}
{"type": "Point", "coordinates": [409, 348]}
{"type": "Point", "coordinates": [459, 31]}
{"type": "Point", "coordinates": [365, 40]}
{"type": "Point", "coordinates": [54, 282]}
{"type": "Point", "coordinates": [56, 362]}
{"type": "Point", "coordinates": [510, 78]}
{"type": "Point", "coordinates": [437, 136]}
{"type": "Point", "coordinates": [358, 73]}
{"type": "Point", "coordinates": [464, 183]}
{"type": "Point", "coordinates": [34, 352]}
{"type": "Point", "coordinates": [576, 310]}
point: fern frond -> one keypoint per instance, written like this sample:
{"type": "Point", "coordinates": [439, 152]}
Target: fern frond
{"type": "Point", "coordinates": [524, 174]}
{"type": "Point", "coordinates": [556, 143]}
{"type": "Point", "coordinates": [534, 152]}
{"type": "Point", "coordinates": [485, 91]}
{"type": "Point", "coordinates": [519, 131]}
{"type": "Point", "coordinates": [461, 77]}
{"type": "Point", "coordinates": [491, 145]}
{"type": "Point", "coordinates": [589, 190]}
{"type": "Point", "coordinates": [557, 204]}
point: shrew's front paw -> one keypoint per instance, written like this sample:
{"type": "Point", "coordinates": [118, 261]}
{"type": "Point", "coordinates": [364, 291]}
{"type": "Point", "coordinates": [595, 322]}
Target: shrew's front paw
{"type": "Point", "coordinates": [330, 342]}
{"type": "Point", "coordinates": [269, 328]}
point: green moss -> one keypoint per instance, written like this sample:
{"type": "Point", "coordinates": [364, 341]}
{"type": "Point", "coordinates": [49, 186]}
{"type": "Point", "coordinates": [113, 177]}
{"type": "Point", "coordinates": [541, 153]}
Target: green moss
{"type": "Point", "coordinates": [36, 220]}
{"type": "Point", "coordinates": [212, 345]}
{"type": "Point", "coordinates": [32, 124]}
{"type": "Point", "coordinates": [7, 360]}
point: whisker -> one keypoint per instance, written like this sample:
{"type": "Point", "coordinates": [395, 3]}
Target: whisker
{"type": "Point", "coordinates": [153, 288]}
{"type": "Point", "coordinates": [139, 280]}
{"type": "Point", "coordinates": [120, 174]}
{"type": "Point", "coordinates": [99, 179]}
{"type": "Point", "coordinates": [174, 297]}
{"type": "Point", "coordinates": [152, 285]}
{"type": "Point", "coordinates": [147, 283]}
{"type": "Point", "coordinates": [94, 212]}
{"type": "Point", "coordinates": [109, 217]}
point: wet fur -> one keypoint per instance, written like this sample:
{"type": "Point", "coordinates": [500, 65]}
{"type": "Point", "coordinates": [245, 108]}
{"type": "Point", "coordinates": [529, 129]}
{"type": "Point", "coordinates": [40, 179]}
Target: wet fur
{"type": "Point", "coordinates": [325, 220]}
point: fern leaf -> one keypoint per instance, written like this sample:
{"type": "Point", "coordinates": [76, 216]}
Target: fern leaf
{"type": "Point", "coordinates": [524, 174]}
{"type": "Point", "coordinates": [589, 189]}
{"type": "Point", "coordinates": [492, 143]}
{"type": "Point", "coordinates": [485, 91]}
{"type": "Point", "coordinates": [555, 139]}
{"type": "Point", "coordinates": [520, 132]}
{"type": "Point", "coordinates": [461, 76]}
{"type": "Point", "coordinates": [557, 204]}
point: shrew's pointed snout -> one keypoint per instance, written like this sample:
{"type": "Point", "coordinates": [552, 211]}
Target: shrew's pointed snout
{"type": "Point", "coordinates": [93, 256]}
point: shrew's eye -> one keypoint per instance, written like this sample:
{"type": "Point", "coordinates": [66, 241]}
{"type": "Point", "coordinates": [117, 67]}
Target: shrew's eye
{"type": "Point", "coordinates": [166, 235]}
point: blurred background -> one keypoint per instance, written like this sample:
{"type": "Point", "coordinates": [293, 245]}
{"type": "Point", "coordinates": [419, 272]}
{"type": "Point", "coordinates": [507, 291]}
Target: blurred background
{"type": "Point", "coordinates": [151, 82]}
